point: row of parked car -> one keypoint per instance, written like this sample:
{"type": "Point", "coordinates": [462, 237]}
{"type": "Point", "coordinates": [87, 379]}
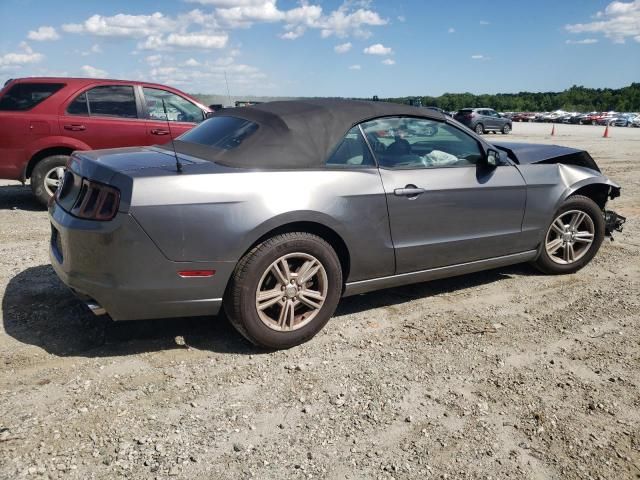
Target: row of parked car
{"type": "Point", "coordinates": [617, 119]}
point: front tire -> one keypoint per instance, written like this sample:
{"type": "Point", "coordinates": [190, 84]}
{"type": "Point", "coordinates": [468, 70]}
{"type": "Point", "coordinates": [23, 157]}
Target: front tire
{"type": "Point", "coordinates": [573, 237]}
{"type": "Point", "coordinates": [285, 290]}
{"type": "Point", "coordinates": [46, 177]}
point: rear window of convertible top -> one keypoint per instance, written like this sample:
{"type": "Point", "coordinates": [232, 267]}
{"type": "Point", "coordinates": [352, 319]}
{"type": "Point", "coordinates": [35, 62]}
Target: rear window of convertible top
{"type": "Point", "coordinates": [220, 132]}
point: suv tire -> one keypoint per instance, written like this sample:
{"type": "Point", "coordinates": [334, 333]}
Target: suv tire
{"type": "Point", "coordinates": [46, 176]}
{"type": "Point", "coordinates": [479, 129]}
{"type": "Point", "coordinates": [506, 129]}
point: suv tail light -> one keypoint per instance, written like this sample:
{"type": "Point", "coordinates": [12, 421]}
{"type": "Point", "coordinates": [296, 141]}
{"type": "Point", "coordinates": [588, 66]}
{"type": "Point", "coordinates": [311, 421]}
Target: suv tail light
{"type": "Point", "coordinates": [96, 201]}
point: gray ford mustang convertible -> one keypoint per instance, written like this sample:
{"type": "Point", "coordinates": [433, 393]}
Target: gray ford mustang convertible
{"type": "Point", "coordinates": [274, 212]}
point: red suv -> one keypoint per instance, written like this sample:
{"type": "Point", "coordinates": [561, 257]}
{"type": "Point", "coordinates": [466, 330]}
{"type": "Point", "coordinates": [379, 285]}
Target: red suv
{"type": "Point", "coordinates": [43, 120]}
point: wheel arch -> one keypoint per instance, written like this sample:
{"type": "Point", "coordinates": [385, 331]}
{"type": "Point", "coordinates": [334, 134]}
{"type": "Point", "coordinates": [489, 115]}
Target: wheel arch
{"type": "Point", "coordinates": [597, 189]}
{"type": "Point", "coordinates": [42, 154]}
{"type": "Point", "coordinates": [328, 234]}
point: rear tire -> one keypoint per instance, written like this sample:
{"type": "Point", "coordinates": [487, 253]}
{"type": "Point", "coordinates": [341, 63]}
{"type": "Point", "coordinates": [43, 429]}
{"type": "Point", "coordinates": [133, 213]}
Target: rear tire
{"type": "Point", "coordinates": [273, 298]}
{"type": "Point", "coordinates": [46, 177]}
{"type": "Point", "coordinates": [506, 129]}
{"type": "Point", "coordinates": [567, 247]}
{"type": "Point", "coordinates": [479, 128]}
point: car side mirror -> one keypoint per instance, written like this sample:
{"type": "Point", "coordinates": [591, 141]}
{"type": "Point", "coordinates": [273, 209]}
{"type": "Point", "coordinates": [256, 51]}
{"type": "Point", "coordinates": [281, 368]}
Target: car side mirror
{"type": "Point", "coordinates": [208, 115]}
{"type": "Point", "coordinates": [493, 158]}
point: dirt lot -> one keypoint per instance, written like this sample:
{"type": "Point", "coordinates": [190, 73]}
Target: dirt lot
{"type": "Point", "coordinates": [501, 374]}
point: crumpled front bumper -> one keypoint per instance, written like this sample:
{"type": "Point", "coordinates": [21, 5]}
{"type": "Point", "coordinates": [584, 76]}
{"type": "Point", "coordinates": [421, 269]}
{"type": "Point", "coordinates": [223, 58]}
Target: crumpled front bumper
{"type": "Point", "coordinates": [613, 222]}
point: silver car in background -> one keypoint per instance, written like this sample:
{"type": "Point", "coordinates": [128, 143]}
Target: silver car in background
{"type": "Point", "coordinates": [273, 212]}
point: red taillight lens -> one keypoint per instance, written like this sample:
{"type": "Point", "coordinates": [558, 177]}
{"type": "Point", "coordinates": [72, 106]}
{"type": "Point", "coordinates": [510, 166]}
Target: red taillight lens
{"type": "Point", "coordinates": [96, 201]}
{"type": "Point", "coordinates": [196, 273]}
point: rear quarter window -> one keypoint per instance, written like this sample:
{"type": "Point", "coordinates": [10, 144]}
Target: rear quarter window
{"type": "Point", "coordinates": [25, 96]}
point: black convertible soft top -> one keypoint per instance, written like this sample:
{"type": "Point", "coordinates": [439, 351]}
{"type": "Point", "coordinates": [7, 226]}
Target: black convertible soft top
{"type": "Point", "coordinates": [296, 134]}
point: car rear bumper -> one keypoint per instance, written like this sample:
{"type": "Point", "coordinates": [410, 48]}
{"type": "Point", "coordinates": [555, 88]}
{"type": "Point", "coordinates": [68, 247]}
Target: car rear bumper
{"type": "Point", "coordinates": [115, 266]}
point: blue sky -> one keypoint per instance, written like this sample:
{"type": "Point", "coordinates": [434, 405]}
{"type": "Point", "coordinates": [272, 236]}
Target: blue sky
{"type": "Point", "coordinates": [327, 47]}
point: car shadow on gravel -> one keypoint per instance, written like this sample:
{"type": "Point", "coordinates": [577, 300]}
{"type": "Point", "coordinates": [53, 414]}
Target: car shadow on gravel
{"type": "Point", "coordinates": [19, 197]}
{"type": "Point", "coordinates": [37, 309]}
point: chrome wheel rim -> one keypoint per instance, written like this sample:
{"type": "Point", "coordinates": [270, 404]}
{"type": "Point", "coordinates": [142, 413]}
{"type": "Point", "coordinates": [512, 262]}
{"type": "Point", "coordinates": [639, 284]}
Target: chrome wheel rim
{"type": "Point", "coordinates": [52, 180]}
{"type": "Point", "coordinates": [479, 129]}
{"type": "Point", "coordinates": [291, 292]}
{"type": "Point", "coordinates": [570, 237]}
{"type": "Point", "coordinates": [506, 129]}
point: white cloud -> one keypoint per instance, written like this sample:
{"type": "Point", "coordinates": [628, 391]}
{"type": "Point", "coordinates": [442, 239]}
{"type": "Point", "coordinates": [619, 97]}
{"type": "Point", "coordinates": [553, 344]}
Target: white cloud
{"type": "Point", "coordinates": [451, 30]}
{"type": "Point", "coordinates": [210, 75]}
{"type": "Point", "coordinates": [352, 18]}
{"type": "Point", "coordinates": [293, 34]}
{"type": "Point", "coordinates": [187, 40]}
{"type": "Point", "coordinates": [388, 61]}
{"type": "Point", "coordinates": [355, 67]}
{"type": "Point", "coordinates": [43, 33]}
{"type": "Point", "coordinates": [342, 22]}
{"type": "Point", "coordinates": [198, 40]}
{"type": "Point", "coordinates": [92, 72]}
{"type": "Point", "coordinates": [378, 49]}
{"type": "Point", "coordinates": [95, 49]}
{"type": "Point", "coordinates": [153, 60]}
{"type": "Point", "coordinates": [618, 21]}
{"type": "Point", "coordinates": [156, 31]}
{"type": "Point", "coordinates": [480, 57]}
{"type": "Point", "coordinates": [484, 22]}
{"type": "Point", "coordinates": [122, 25]}
{"type": "Point", "coordinates": [401, 18]}
{"type": "Point", "coordinates": [585, 41]}
{"type": "Point", "coordinates": [192, 62]}
{"type": "Point", "coordinates": [343, 47]}
{"type": "Point", "coordinates": [16, 59]}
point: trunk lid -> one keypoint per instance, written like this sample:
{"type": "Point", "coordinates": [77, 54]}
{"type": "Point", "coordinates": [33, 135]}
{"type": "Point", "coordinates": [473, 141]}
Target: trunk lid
{"type": "Point", "coordinates": [118, 168]}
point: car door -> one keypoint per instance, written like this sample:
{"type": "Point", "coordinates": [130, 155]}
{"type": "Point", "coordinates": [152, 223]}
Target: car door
{"type": "Point", "coordinates": [104, 116]}
{"type": "Point", "coordinates": [446, 205]}
{"type": "Point", "coordinates": [168, 114]}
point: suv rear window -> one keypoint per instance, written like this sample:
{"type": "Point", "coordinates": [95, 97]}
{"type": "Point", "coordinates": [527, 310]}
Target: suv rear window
{"type": "Point", "coordinates": [25, 96]}
{"type": "Point", "coordinates": [220, 132]}
{"type": "Point", "coordinates": [465, 111]}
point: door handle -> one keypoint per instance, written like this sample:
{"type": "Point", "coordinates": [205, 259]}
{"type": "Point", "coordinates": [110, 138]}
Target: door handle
{"type": "Point", "coordinates": [75, 128]}
{"type": "Point", "coordinates": [410, 191]}
{"type": "Point", "coordinates": [159, 131]}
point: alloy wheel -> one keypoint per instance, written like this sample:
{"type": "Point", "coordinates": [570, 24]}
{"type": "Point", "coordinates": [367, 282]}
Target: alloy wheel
{"type": "Point", "coordinates": [291, 292]}
{"type": "Point", "coordinates": [52, 180]}
{"type": "Point", "coordinates": [569, 237]}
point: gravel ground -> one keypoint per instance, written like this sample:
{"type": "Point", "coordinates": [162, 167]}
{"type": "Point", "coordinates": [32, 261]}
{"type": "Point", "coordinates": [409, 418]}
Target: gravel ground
{"type": "Point", "coordinates": [500, 374]}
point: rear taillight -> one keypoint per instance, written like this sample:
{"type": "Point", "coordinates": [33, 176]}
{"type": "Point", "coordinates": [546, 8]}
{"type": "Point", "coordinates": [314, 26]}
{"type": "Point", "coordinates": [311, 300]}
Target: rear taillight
{"type": "Point", "coordinates": [96, 201]}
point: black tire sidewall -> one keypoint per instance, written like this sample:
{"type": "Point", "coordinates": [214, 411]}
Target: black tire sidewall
{"type": "Point", "coordinates": [481, 128]}
{"type": "Point", "coordinates": [39, 172]}
{"type": "Point", "coordinates": [589, 207]}
{"type": "Point", "coordinates": [240, 305]}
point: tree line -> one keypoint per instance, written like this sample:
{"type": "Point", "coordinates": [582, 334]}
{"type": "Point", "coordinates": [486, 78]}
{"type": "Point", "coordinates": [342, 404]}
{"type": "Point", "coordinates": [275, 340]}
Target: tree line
{"type": "Point", "coordinates": [577, 98]}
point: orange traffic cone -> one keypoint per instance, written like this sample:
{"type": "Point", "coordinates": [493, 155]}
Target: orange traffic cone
{"type": "Point", "coordinates": [606, 132]}
{"type": "Point", "coordinates": [553, 131]}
